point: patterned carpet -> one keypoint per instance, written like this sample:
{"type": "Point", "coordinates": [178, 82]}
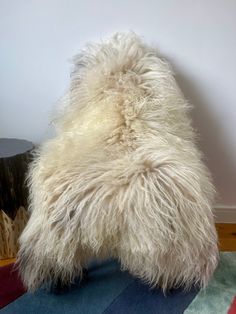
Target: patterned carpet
{"type": "Point", "coordinates": [107, 290]}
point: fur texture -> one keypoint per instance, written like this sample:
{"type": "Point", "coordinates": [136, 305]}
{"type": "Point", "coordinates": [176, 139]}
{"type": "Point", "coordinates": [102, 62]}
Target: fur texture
{"type": "Point", "coordinates": [122, 178]}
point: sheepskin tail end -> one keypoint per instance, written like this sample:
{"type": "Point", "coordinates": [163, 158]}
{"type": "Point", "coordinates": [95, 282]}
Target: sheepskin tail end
{"type": "Point", "coordinates": [169, 238]}
{"type": "Point", "coordinates": [40, 270]}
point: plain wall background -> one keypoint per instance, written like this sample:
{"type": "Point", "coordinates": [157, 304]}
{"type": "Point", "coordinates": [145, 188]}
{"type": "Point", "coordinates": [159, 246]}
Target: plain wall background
{"type": "Point", "coordinates": [37, 38]}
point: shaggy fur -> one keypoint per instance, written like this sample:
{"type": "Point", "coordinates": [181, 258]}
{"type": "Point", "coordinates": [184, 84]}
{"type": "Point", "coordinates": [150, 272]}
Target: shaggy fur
{"type": "Point", "coordinates": [122, 178]}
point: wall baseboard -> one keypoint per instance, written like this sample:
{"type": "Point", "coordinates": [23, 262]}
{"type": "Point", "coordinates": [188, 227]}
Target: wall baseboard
{"type": "Point", "coordinates": [225, 214]}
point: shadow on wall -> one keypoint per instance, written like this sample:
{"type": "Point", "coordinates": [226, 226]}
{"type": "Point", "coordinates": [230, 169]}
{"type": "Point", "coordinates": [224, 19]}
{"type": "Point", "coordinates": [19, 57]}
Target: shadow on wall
{"type": "Point", "coordinates": [211, 141]}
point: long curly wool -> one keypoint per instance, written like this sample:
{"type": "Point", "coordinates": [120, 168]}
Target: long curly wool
{"type": "Point", "coordinates": [122, 178]}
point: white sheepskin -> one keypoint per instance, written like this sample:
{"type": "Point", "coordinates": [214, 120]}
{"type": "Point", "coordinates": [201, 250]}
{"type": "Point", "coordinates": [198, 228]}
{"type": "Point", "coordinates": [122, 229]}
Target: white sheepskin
{"type": "Point", "coordinates": [123, 178]}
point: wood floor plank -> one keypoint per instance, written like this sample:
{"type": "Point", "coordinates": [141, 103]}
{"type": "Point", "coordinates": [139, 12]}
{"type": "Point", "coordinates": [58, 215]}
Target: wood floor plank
{"type": "Point", "coordinates": [227, 236]}
{"type": "Point", "coordinates": [4, 262]}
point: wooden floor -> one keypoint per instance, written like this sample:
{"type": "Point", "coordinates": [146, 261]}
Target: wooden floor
{"type": "Point", "coordinates": [227, 240]}
{"type": "Point", "coordinates": [6, 261]}
{"type": "Point", "coordinates": [227, 236]}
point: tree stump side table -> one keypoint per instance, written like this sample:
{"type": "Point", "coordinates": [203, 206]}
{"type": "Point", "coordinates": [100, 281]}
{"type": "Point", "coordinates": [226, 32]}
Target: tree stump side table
{"type": "Point", "coordinates": [15, 155]}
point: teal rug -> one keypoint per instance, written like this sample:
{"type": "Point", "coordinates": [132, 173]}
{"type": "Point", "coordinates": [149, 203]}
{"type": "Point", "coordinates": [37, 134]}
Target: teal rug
{"type": "Point", "coordinates": [218, 297]}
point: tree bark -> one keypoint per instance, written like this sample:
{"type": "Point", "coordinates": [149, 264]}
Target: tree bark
{"type": "Point", "coordinates": [15, 156]}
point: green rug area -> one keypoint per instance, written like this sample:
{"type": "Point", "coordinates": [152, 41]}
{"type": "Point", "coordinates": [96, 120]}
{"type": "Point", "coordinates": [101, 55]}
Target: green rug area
{"type": "Point", "coordinates": [218, 295]}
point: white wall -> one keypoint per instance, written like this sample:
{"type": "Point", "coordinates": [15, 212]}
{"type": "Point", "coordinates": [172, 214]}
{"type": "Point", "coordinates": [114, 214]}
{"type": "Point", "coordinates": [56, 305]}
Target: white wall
{"type": "Point", "coordinates": [37, 38]}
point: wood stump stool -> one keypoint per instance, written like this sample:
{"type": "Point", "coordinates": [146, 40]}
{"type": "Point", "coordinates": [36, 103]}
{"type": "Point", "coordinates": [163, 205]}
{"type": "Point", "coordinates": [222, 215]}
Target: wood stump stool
{"type": "Point", "coordinates": [14, 159]}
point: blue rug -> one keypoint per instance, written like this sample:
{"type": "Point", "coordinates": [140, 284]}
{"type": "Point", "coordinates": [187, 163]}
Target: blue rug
{"type": "Point", "coordinates": [106, 290]}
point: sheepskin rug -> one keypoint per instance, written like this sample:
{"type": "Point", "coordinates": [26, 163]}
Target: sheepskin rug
{"type": "Point", "coordinates": [123, 177]}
